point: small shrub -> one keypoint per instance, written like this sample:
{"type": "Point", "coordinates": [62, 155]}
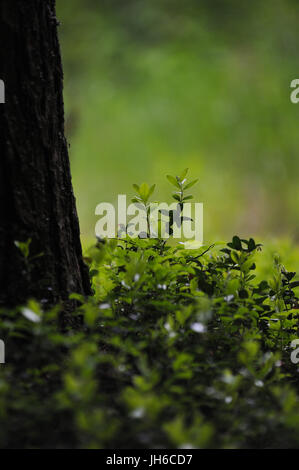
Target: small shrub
{"type": "Point", "coordinates": [178, 348]}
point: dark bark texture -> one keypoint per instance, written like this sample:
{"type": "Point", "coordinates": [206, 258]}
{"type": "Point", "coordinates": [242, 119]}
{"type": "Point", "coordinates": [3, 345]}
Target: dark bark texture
{"type": "Point", "coordinates": [36, 195]}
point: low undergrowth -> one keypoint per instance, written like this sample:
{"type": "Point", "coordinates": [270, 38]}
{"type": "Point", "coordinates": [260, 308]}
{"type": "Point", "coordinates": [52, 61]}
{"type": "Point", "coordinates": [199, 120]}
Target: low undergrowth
{"type": "Point", "coordinates": [178, 349]}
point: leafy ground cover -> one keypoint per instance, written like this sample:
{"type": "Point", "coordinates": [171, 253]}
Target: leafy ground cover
{"type": "Point", "coordinates": [176, 349]}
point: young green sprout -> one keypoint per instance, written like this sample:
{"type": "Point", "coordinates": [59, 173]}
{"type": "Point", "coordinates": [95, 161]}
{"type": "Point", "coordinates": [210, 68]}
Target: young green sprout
{"type": "Point", "coordinates": [181, 183]}
{"type": "Point", "coordinates": [144, 192]}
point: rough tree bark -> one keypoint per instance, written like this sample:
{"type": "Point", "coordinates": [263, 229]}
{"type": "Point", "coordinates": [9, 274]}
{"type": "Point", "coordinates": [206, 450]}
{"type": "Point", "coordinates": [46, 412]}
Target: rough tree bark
{"type": "Point", "coordinates": [36, 196]}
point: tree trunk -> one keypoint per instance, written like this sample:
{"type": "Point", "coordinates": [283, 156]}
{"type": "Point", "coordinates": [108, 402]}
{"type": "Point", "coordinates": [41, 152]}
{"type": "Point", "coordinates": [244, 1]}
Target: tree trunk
{"type": "Point", "coordinates": [36, 196]}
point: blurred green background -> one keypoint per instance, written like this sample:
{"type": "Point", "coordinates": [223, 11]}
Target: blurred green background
{"type": "Point", "coordinates": [154, 86]}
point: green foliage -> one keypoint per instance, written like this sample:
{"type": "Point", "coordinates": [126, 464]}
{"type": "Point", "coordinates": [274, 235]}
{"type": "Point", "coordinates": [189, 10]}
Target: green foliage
{"type": "Point", "coordinates": [24, 247]}
{"type": "Point", "coordinates": [181, 183]}
{"type": "Point", "coordinates": [144, 192]}
{"type": "Point", "coordinates": [171, 217]}
{"type": "Point", "coordinates": [178, 348]}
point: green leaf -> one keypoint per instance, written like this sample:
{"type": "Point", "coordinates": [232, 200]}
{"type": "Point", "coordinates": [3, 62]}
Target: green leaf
{"type": "Point", "coordinates": [152, 189]}
{"type": "Point", "coordinates": [235, 257]}
{"type": "Point", "coordinates": [24, 247]}
{"type": "Point", "coordinates": [236, 243]}
{"type": "Point", "coordinates": [173, 181]}
{"type": "Point", "coordinates": [245, 267]}
{"type": "Point", "coordinates": [294, 284]}
{"type": "Point", "coordinates": [79, 297]}
{"type": "Point", "coordinates": [93, 273]}
{"type": "Point", "coordinates": [192, 183]}
{"type": "Point", "coordinates": [251, 245]}
{"type": "Point", "coordinates": [144, 191]}
{"type": "Point", "coordinates": [184, 174]}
